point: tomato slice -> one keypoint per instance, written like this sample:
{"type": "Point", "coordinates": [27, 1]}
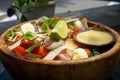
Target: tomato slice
{"type": "Point", "coordinates": [41, 51]}
{"type": "Point", "coordinates": [19, 50]}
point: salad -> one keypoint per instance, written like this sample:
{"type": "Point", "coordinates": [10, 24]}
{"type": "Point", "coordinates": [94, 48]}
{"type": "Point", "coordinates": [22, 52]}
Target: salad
{"type": "Point", "coordinates": [50, 39]}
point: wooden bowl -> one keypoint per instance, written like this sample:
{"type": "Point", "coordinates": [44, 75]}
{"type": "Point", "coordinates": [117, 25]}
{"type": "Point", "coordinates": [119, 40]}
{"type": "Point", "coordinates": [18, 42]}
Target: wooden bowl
{"type": "Point", "coordinates": [94, 68]}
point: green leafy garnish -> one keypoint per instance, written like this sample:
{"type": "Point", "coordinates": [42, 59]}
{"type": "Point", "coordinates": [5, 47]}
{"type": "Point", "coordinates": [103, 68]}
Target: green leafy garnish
{"type": "Point", "coordinates": [11, 34]}
{"type": "Point", "coordinates": [94, 52]}
{"type": "Point", "coordinates": [33, 47]}
{"type": "Point", "coordinates": [29, 35]}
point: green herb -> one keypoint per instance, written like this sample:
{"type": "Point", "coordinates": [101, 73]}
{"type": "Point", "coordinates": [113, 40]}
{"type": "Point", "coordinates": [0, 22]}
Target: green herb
{"type": "Point", "coordinates": [94, 52]}
{"type": "Point", "coordinates": [10, 35]}
{"type": "Point", "coordinates": [33, 47]}
{"type": "Point", "coordinates": [29, 35]}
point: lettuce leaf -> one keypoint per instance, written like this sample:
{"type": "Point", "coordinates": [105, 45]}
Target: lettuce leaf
{"type": "Point", "coordinates": [29, 35]}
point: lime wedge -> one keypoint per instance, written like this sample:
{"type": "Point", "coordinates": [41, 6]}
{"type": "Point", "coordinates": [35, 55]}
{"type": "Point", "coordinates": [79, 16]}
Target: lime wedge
{"type": "Point", "coordinates": [60, 31]}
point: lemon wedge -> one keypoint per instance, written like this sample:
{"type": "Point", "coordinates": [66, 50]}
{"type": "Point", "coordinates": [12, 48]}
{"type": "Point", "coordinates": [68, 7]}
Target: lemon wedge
{"type": "Point", "coordinates": [60, 31]}
{"type": "Point", "coordinates": [27, 27]}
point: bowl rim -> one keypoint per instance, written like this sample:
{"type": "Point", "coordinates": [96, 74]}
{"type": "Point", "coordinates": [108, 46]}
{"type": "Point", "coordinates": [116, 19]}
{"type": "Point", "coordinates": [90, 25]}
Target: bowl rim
{"type": "Point", "coordinates": [95, 45]}
{"type": "Point", "coordinates": [106, 54]}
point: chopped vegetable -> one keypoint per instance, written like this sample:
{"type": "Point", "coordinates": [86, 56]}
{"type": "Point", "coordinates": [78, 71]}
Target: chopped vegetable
{"type": "Point", "coordinates": [33, 47]}
{"type": "Point", "coordinates": [98, 27]}
{"type": "Point", "coordinates": [29, 35]}
{"type": "Point", "coordinates": [19, 50]}
{"type": "Point", "coordinates": [72, 20]}
{"type": "Point", "coordinates": [88, 51]}
{"type": "Point", "coordinates": [94, 52]}
{"type": "Point", "coordinates": [74, 32]}
{"type": "Point", "coordinates": [43, 18]}
{"type": "Point", "coordinates": [51, 39]}
{"type": "Point", "coordinates": [79, 25]}
{"type": "Point", "coordinates": [52, 22]}
{"type": "Point", "coordinates": [26, 43]}
{"type": "Point", "coordinates": [32, 56]}
{"type": "Point", "coordinates": [40, 50]}
{"type": "Point", "coordinates": [11, 34]}
{"type": "Point", "coordinates": [14, 45]}
{"type": "Point", "coordinates": [55, 45]}
{"type": "Point", "coordinates": [52, 54]}
{"type": "Point", "coordinates": [45, 28]}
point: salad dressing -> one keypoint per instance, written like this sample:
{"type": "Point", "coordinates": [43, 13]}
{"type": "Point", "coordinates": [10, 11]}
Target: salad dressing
{"type": "Point", "coordinates": [94, 37]}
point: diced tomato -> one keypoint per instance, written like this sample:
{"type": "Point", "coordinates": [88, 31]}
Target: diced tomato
{"type": "Point", "coordinates": [41, 51]}
{"type": "Point", "coordinates": [88, 51]}
{"type": "Point", "coordinates": [74, 32]}
{"type": "Point", "coordinates": [19, 50]}
{"type": "Point", "coordinates": [25, 43]}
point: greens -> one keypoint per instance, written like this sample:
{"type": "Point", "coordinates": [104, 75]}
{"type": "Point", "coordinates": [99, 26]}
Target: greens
{"type": "Point", "coordinates": [29, 35]}
{"type": "Point", "coordinates": [94, 52]}
{"type": "Point", "coordinates": [11, 34]}
{"type": "Point", "coordinates": [48, 24]}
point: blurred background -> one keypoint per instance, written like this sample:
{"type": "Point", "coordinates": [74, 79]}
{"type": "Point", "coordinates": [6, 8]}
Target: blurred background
{"type": "Point", "coordinates": [61, 6]}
